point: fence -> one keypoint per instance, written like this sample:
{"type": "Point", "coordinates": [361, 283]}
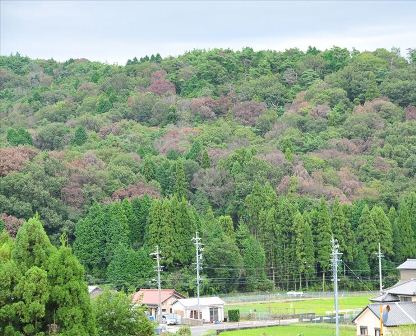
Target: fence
{"type": "Point", "coordinates": [274, 296]}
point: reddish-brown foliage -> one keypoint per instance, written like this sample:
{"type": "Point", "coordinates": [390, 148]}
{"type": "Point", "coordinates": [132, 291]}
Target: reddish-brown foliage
{"type": "Point", "coordinates": [110, 129]}
{"type": "Point", "coordinates": [11, 223]}
{"type": "Point", "coordinates": [299, 105]}
{"type": "Point", "coordinates": [175, 139]}
{"type": "Point", "coordinates": [14, 158]}
{"type": "Point", "coordinates": [136, 190]}
{"type": "Point", "coordinates": [160, 85]}
{"type": "Point", "coordinates": [215, 154]}
{"type": "Point", "coordinates": [320, 111]}
{"type": "Point", "coordinates": [248, 112]}
{"type": "Point", "coordinates": [410, 112]}
{"type": "Point", "coordinates": [349, 183]}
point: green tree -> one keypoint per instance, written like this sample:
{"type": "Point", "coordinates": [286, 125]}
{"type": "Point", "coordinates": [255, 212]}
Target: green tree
{"type": "Point", "coordinates": [80, 136]}
{"type": "Point", "coordinates": [367, 234]}
{"type": "Point", "coordinates": [384, 229]}
{"type": "Point", "coordinates": [342, 231]}
{"type": "Point", "coordinates": [181, 183]}
{"type": "Point", "coordinates": [129, 269]}
{"type": "Point", "coordinates": [254, 260]}
{"type": "Point", "coordinates": [205, 161]}
{"type": "Point", "coordinates": [115, 316]}
{"type": "Point", "coordinates": [32, 246]}
{"type": "Point", "coordinates": [89, 244]}
{"type": "Point", "coordinates": [19, 136]}
{"type": "Point", "coordinates": [304, 247]}
{"type": "Point", "coordinates": [33, 293]}
{"type": "Point", "coordinates": [320, 222]}
{"type": "Point", "coordinates": [138, 226]}
{"type": "Point", "coordinates": [404, 242]}
{"type": "Point", "coordinates": [69, 302]}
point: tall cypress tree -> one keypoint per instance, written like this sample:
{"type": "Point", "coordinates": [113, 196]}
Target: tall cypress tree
{"type": "Point", "coordinates": [342, 231]}
{"type": "Point", "coordinates": [304, 247]}
{"type": "Point", "coordinates": [116, 229]}
{"type": "Point", "coordinates": [404, 242]}
{"type": "Point", "coordinates": [32, 246]}
{"type": "Point", "coordinates": [181, 183]}
{"type": "Point", "coordinates": [138, 226]}
{"type": "Point", "coordinates": [367, 234]}
{"type": "Point", "coordinates": [69, 302]}
{"type": "Point", "coordinates": [321, 228]}
{"type": "Point", "coordinates": [384, 229]}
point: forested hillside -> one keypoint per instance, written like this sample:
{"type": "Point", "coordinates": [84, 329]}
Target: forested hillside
{"type": "Point", "coordinates": [267, 154]}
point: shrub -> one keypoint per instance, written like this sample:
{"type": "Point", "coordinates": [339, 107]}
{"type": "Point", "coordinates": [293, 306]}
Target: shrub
{"type": "Point", "coordinates": [234, 315]}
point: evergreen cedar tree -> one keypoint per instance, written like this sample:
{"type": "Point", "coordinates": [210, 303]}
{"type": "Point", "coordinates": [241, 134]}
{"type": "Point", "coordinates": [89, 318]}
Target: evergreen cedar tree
{"type": "Point", "coordinates": [43, 287]}
{"type": "Point", "coordinates": [267, 154]}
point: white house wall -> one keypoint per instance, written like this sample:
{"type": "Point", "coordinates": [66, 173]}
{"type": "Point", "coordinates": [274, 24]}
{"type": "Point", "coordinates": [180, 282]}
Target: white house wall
{"type": "Point", "coordinates": [369, 320]}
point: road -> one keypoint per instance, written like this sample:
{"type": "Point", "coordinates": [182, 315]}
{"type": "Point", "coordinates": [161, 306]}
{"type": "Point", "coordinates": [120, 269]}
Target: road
{"type": "Point", "coordinates": [201, 330]}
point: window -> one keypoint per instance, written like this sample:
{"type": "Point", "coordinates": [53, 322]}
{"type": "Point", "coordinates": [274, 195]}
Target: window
{"type": "Point", "coordinates": [363, 331]}
{"type": "Point", "coordinates": [213, 314]}
{"type": "Point", "coordinates": [405, 298]}
{"type": "Point", "coordinates": [376, 332]}
{"type": "Point", "coordinates": [171, 310]}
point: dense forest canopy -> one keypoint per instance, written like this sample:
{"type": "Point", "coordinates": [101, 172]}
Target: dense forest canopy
{"type": "Point", "coordinates": [268, 154]}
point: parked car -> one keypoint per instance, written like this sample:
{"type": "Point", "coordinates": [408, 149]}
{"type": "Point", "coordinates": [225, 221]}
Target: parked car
{"type": "Point", "coordinates": [171, 319]}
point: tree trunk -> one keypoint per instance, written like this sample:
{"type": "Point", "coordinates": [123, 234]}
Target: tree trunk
{"type": "Point", "coordinates": [323, 281]}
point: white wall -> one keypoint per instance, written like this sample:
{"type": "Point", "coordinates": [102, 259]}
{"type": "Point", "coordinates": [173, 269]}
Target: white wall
{"type": "Point", "coordinates": [184, 312]}
{"type": "Point", "coordinates": [369, 320]}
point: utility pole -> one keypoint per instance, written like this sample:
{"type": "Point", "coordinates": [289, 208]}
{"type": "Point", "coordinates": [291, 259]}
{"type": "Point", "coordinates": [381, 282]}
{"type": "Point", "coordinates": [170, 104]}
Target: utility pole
{"type": "Point", "coordinates": [335, 254]}
{"type": "Point", "coordinates": [156, 254]}
{"type": "Point", "coordinates": [198, 251]}
{"type": "Point", "coordinates": [380, 255]}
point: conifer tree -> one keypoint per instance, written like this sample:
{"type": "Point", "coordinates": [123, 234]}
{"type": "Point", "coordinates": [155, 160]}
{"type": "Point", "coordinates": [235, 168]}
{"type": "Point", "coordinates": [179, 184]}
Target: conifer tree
{"type": "Point", "coordinates": [226, 222]}
{"type": "Point", "coordinates": [89, 244]}
{"type": "Point", "coordinates": [321, 228]}
{"type": "Point", "coordinates": [116, 229]}
{"type": "Point", "coordinates": [69, 302]}
{"type": "Point", "coordinates": [367, 234]}
{"type": "Point", "coordinates": [304, 247]}
{"type": "Point", "coordinates": [138, 226]}
{"type": "Point", "coordinates": [195, 151]}
{"type": "Point", "coordinates": [181, 183]}
{"type": "Point", "coordinates": [32, 246]}
{"type": "Point", "coordinates": [32, 292]}
{"type": "Point", "coordinates": [205, 161]}
{"type": "Point", "coordinates": [148, 169]}
{"type": "Point", "coordinates": [404, 242]}
{"type": "Point", "coordinates": [80, 136]}
{"type": "Point", "coordinates": [253, 260]}
{"type": "Point", "coordinates": [384, 229]}
{"type": "Point", "coordinates": [342, 231]}
{"type": "Point", "coordinates": [411, 205]}
{"type": "Point", "coordinates": [130, 269]}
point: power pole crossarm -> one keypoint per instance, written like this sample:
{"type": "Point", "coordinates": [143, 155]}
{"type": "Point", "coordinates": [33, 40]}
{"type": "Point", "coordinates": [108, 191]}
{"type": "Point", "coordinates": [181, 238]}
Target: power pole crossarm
{"type": "Point", "coordinates": [198, 249]}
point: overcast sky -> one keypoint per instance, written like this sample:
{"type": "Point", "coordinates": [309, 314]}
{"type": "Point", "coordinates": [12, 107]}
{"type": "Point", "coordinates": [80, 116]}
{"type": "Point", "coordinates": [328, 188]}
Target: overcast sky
{"type": "Point", "coordinates": [114, 31]}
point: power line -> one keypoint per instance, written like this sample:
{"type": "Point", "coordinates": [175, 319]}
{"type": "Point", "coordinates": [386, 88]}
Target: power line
{"type": "Point", "coordinates": [198, 251]}
{"type": "Point", "coordinates": [335, 254]}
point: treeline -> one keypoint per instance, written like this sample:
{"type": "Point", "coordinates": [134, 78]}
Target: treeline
{"type": "Point", "coordinates": [43, 291]}
{"type": "Point", "coordinates": [279, 243]}
{"type": "Point", "coordinates": [210, 127]}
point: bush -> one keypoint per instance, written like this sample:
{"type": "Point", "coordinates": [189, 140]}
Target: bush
{"type": "Point", "coordinates": [184, 331]}
{"type": "Point", "coordinates": [234, 315]}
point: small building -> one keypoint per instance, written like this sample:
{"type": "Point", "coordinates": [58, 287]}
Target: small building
{"type": "Point", "coordinates": [211, 309]}
{"type": "Point", "coordinates": [398, 304]}
{"type": "Point", "coordinates": [150, 299]}
{"type": "Point", "coordinates": [394, 314]}
{"type": "Point", "coordinates": [94, 291]}
{"type": "Point", "coordinates": [407, 270]}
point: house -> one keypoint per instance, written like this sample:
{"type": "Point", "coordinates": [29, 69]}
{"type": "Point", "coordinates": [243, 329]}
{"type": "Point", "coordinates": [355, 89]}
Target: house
{"type": "Point", "coordinates": [397, 303]}
{"type": "Point", "coordinates": [394, 314]}
{"type": "Point", "coordinates": [150, 299]}
{"type": "Point", "coordinates": [407, 270]}
{"type": "Point", "coordinates": [94, 291]}
{"type": "Point", "coordinates": [211, 308]}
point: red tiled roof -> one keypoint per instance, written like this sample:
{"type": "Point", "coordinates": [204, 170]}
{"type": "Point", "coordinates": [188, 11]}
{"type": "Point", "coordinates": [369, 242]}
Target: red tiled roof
{"type": "Point", "coordinates": [151, 296]}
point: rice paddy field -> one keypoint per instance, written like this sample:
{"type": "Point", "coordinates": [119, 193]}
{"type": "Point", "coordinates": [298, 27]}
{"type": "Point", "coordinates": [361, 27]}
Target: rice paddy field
{"type": "Point", "coordinates": [319, 306]}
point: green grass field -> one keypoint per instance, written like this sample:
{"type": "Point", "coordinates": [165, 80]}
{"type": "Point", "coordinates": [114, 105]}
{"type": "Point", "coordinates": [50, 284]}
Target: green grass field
{"type": "Point", "coordinates": [294, 330]}
{"type": "Point", "coordinates": [318, 306]}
